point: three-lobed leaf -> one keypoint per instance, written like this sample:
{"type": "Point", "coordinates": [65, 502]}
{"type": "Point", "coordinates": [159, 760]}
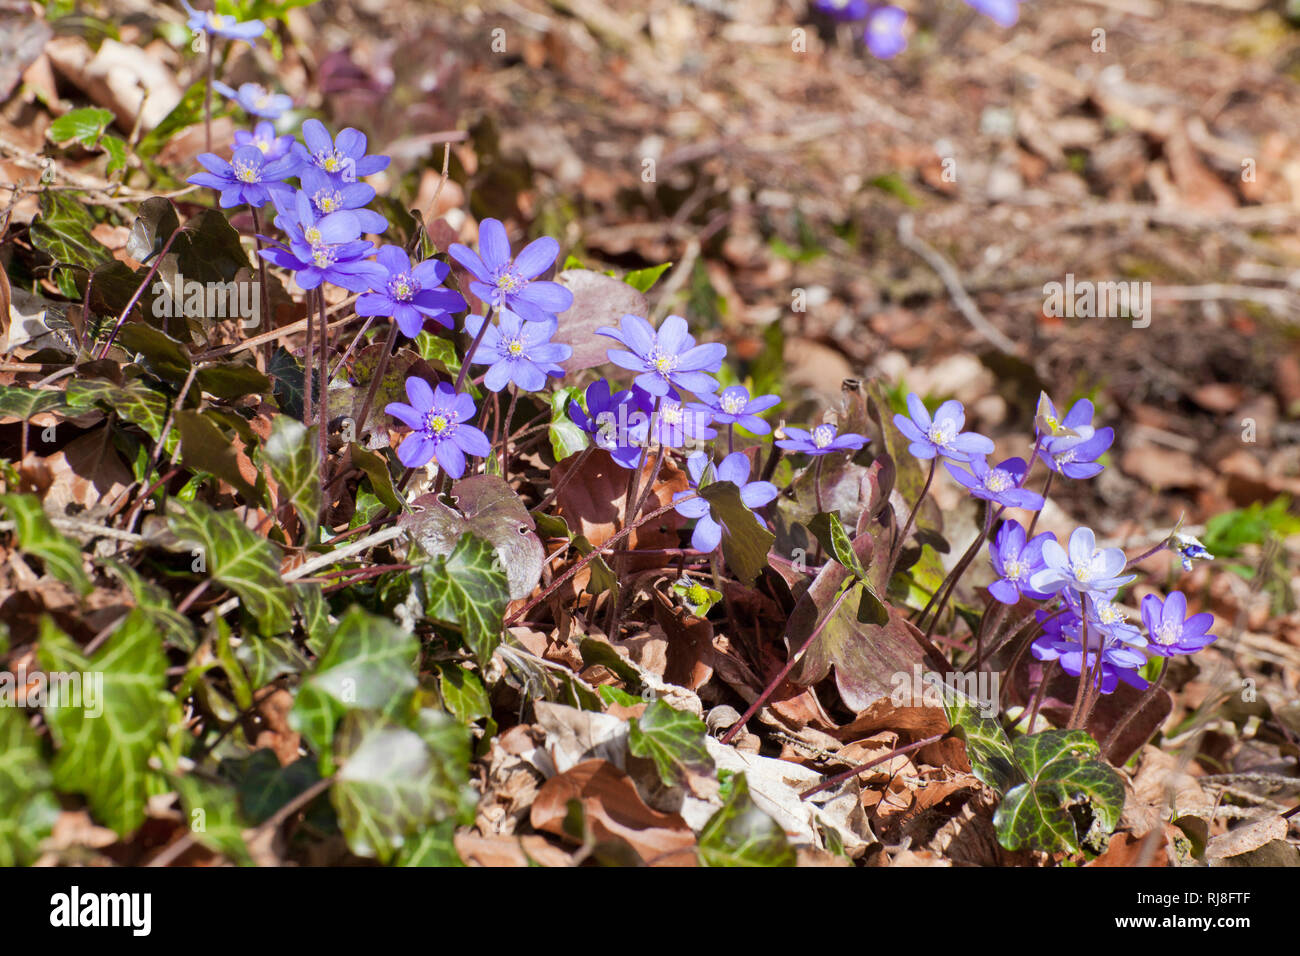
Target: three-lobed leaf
{"type": "Point", "coordinates": [469, 588]}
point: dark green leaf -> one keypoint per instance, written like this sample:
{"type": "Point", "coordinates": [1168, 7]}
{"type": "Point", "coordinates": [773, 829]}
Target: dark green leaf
{"type": "Point", "coordinates": [23, 403]}
{"type": "Point", "coordinates": [1063, 771]}
{"type": "Point", "coordinates": [205, 447]}
{"type": "Point", "coordinates": [213, 816]}
{"type": "Point", "coordinates": [63, 232]}
{"type": "Point", "coordinates": [987, 747]}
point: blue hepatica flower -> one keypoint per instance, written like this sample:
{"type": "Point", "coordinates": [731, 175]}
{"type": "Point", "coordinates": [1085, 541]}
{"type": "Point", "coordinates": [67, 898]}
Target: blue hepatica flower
{"type": "Point", "coordinates": [223, 25]}
{"type": "Point", "coordinates": [248, 179]}
{"type": "Point", "coordinates": [1119, 661]}
{"type": "Point", "coordinates": [1016, 561]}
{"type": "Point", "coordinates": [733, 406]}
{"type": "Point", "coordinates": [1004, 13]}
{"type": "Point", "coordinates": [324, 248]}
{"type": "Point", "coordinates": [1172, 631]}
{"type": "Point", "coordinates": [942, 434]}
{"type": "Point", "coordinates": [884, 32]}
{"type": "Point", "coordinates": [1001, 485]}
{"type": "Point", "coordinates": [846, 11]}
{"type": "Point", "coordinates": [1083, 568]}
{"type": "Point", "coordinates": [506, 283]}
{"type": "Point", "coordinates": [822, 440]}
{"type": "Point", "coordinates": [327, 195]}
{"type": "Point", "coordinates": [1076, 458]}
{"type": "Point", "coordinates": [665, 358]}
{"type": "Point", "coordinates": [343, 159]}
{"type": "Point", "coordinates": [263, 137]}
{"type": "Point", "coordinates": [735, 469]}
{"type": "Point", "coordinates": [676, 424]}
{"type": "Point", "coordinates": [437, 419]}
{"type": "Point", "coordinates": [616, 421]}
{"type": "Point", "coordinates": [255, 99]}
{"type": "Point", "coordinates": [410, 294]}
{"type": "Point", "coordinates": [517, 351]}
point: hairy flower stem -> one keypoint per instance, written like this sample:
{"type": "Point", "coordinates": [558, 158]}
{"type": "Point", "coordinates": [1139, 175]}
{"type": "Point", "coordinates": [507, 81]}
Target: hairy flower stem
{"type": "Point", "coordinates": [308, 381]}
{"type": "Point", "coordinates": [464, 362]}
{"type": "Point", "coordinates": [352, 346]}
{"type": "Point", "coordinates": [949, 583]}
{"type": "Point", "coordinates": [587, 559]}
{"type": "Point", "coordinates": [1047, 490]}
{"type": "Point", "coordinates": [863, 768]}
{"type": "Point", "coordinates": [1146, 554]}
{"type": "Point", "coordinates": [148, 277]}
{"type": "Point", "coordinates": [776, 681]}
{"type": "Point", "coordinates": [616, 607]}
{"type": "Point", "coordinates": [1036, 701]}
{"type": "Point", "coordinates": [1085, 676]}
{"type": "Point", "coordinates": [817, 483]}
{"type": "Point", "coordinates": [323, 403]}
{"type": "Point", "coordinates": [377, 378]}
{"type": "Point", "coordinates": [505, 433]}
{"type": "Point", "coordinates": [207, 94]}
{"type": "Point", "coordinates": [1118, 730]}
{"type": "Point", "coordinates": [262, 286]}
{"type": "Point", "coordinates": [731, 438]}
{"type": "Point", "coordinates": [565, 479]}
{"type": "Point", "coordinates": [897, 550]}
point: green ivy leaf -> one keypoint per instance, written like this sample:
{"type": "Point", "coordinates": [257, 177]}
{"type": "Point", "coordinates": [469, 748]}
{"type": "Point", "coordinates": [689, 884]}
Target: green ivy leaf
{"type": "Point", "coordinates": [463, 693]}
{"type": "Point", "coordinates": [368, 663]}
{"type": "Point", "coordinates": [264, 786]}
{"type": "Point", "coordinates": [674, 740]}
{"type": "Point", "coordinates": [1062, 771]}
{"type": "Point", "coordinates": [63, 232]}
{"type": "Point", "coordinates": [213, 816]}
{"type": "Point", "coordinates": [28, 808]}
{"type": "Point", "coordinates": [239, 559]}
{"type": "Point", "coordinates": [134, 402]}
{"type": "Point", "coordinates": [158, 606]}
{"type": "Point", "coordinates": [83, 125]}
{"type": "Point", "coordinates": [469, 588]}
{"type": "Point", "coordinates": [23, 403]}
{"type": "Point", "coordinates": [35, 535]}
{"type": "Point", "coordinates": [116, 150]}
{"type": "Point", "coordinates": [830, 532]}
{"type": "Point", "coordinates": [294, 456]}
{"type": "Point", "coordinates": [988, 749]}
{"type": "Point", "coordinates": [432, 846]}
{"type": "Point", "coordinates": [393, 783]}
{"type": "Point", "coordinates": [105, 755]}
{"type": "Point", "coordinates": [740, 834]}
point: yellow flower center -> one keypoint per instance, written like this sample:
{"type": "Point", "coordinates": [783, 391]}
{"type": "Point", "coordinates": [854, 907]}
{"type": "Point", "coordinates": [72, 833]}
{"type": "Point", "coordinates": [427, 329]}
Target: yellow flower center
{"type": "Point", "coordinates": [246, 172]}
{"type": "Point", "coordinates": [311, 234]}
{"type": "Point", "coordinates": [438, 423]}
{"type": "Point", "coordinates": [515, 348]}
{"type": "Point", "coordinates": [823, 435]}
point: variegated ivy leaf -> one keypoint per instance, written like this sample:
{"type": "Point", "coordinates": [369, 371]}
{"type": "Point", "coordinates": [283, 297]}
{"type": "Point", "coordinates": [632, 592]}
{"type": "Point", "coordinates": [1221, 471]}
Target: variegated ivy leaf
{"type": "Point", "coordinates": [468, 588]}
{"type": "Point", "coordinates": [23, 403]}
{"type": "Point", "coordinates": [133, 402]}
{"type": "Point", "coordinates": [368, 663]}
{"type": "Point", "coordinates": [740, 834]}
{"type": "Point", "coordinates": [673, 739]}
{"type": "Point", "coordinates": [293, 452]}
{"type": "Point", "coordinates": [395, 781]}
{"type": "Point", "coordinates": [102, 747]}
{"type": "Point", "coordinates": [239, 559]}
{"type": "Point", "coordinates": [37, 537]}
{"type": "Point", "coordinates": [1063, 771]}
{"type": "Point", "coordinates": [27, 805]}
